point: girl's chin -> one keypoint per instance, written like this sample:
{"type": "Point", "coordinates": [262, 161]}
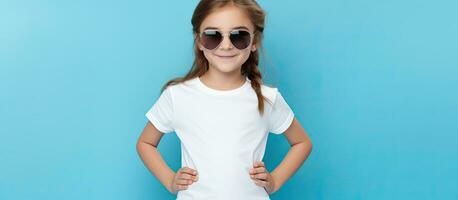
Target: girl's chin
{"type": "Point", "coordinates": [225, 67]}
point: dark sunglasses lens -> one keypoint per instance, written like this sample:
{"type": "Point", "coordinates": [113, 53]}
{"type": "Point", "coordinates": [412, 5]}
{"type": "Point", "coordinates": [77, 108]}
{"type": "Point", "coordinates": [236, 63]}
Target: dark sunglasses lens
{"type": "Point", "coordinates": [211, 39]}
{"type": "Point", "coordinates": [240, 39]}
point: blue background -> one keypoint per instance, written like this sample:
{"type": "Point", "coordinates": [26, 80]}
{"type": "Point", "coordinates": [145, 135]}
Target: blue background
{"type": "Point", "coordinates": [372, 82]}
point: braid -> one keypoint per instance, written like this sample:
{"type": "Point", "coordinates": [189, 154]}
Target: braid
{"type": "Point", "coordinates": [251, 70]}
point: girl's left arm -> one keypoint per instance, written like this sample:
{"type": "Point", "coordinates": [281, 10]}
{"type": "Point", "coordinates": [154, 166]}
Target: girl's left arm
{"type": "Point", "coordinates": [301, 146]}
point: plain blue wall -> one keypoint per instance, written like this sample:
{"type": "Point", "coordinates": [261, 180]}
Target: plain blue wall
{"type": "Point", "coordinates": [373, 82]}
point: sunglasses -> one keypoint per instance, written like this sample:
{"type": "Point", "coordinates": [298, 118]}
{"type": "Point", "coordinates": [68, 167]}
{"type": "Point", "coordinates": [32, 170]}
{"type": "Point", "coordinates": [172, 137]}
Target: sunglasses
{"type": "Point", "coordinates": [240, 39]}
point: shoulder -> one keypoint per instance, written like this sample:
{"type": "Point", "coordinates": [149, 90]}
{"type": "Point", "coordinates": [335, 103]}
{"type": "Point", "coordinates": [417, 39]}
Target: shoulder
{"type": "Point", "coordinates": [269, 92]}
{"type": "Point", "coordinates": [168, 92]}
{"type": "Point", "coordinates": [180, 87]}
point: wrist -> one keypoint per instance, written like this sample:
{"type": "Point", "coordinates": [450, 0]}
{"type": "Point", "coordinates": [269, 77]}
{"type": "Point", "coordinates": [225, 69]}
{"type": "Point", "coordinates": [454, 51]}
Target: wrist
{"type": "Point", "coordinates": [170, 187]}
{"type": "Point", "coordinates": [275, 184]}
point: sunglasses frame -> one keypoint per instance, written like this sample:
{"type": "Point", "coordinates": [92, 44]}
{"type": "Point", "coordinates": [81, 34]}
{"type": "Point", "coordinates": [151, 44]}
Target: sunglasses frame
{"type": "Point", "coordinates": [226, 34]}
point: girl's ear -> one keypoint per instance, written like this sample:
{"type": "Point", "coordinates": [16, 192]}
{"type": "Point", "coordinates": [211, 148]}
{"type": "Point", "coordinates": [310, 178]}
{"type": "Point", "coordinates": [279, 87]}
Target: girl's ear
{"type": "Point", "coordinates": [253, 47]}
{"type": "Point", "coordinates": [198, 42]}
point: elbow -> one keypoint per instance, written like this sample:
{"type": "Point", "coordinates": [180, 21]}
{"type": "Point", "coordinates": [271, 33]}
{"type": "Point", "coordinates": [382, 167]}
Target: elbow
{"type": "Point", "coordinates": [142, 144]}
{"type": "Point", "coordinates": [138, 147]}
{"type": "Point", "coordinates": [308, 150]}
{"type": "Point", "coordinates": [309, 145]}
{"type": "Point", "coordinates": [306, 146]}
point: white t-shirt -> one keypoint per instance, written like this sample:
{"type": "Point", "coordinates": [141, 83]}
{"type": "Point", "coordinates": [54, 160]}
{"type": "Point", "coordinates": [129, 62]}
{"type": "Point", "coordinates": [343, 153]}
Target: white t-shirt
{"type": "Point", "coordinates": [222, 135]}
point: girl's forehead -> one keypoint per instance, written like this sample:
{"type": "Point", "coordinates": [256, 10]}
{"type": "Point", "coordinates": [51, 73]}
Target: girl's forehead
{"type": "Point", "coordinates": [235, 27]}
{"type": "Point", "coordinates": [227, 18]}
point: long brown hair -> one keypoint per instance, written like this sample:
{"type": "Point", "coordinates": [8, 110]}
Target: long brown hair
{"type": "Point", "coordinates": [250, 67]}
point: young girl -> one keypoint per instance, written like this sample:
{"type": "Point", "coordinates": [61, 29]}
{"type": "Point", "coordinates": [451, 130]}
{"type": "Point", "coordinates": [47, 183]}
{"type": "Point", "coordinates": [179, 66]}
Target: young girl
{"type": "Point", "coordinates": [219, 114]}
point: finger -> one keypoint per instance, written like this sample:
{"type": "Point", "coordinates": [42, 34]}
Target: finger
{"type": "Point", "coordinates": [185, 176]}
{"type": "Point", "coordinates": [262, 176]}
{"type": "Point", "coordinates": [188, 171]}
{"type": "Point", "coordinates": [181, 187]}
{"type": "Point", "coordinates": [260, 183]}
{"type": "Point", "coordinates": [193, 178]}
{"type": "Point", "coordinates": [258, 170]}
{"type": "Point", "coordinates": [184, 182]}
{"type": "Point", "coordinates": [259, 164]}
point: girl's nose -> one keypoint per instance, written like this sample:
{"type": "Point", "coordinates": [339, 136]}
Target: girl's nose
{"type": "Point", "coordinates": [226, 43]}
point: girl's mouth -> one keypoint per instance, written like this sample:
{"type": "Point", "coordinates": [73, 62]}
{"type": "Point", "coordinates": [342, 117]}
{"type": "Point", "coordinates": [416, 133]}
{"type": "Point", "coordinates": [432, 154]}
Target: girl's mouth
{"type": "Point", "coordinates": [226, 57]}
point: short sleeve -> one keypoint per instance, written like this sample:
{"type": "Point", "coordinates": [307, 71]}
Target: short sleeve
{"type": "Point", "coordinates": [281, 115]}
{"type": "Point", "coordinates": [161, 113]}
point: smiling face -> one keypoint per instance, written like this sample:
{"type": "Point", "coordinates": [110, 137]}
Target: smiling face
{"type": "Point", "coordinates": [226, 58]}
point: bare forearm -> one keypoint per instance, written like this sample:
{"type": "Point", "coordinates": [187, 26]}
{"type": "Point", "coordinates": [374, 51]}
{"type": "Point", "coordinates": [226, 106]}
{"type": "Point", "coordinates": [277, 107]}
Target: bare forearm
{"type": "Point", "coordinates": [295, 157]}
{"type": "Point", "coordinates": [156, 164]}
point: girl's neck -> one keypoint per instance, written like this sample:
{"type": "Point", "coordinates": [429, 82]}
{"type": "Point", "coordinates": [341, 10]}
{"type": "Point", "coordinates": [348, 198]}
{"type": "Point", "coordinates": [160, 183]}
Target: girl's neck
{"type": "Point", "coordinates": [223, 81]}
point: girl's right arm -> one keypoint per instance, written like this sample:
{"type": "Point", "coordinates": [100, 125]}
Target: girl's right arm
{"type": "Point", "coordinates": [147, 150]}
